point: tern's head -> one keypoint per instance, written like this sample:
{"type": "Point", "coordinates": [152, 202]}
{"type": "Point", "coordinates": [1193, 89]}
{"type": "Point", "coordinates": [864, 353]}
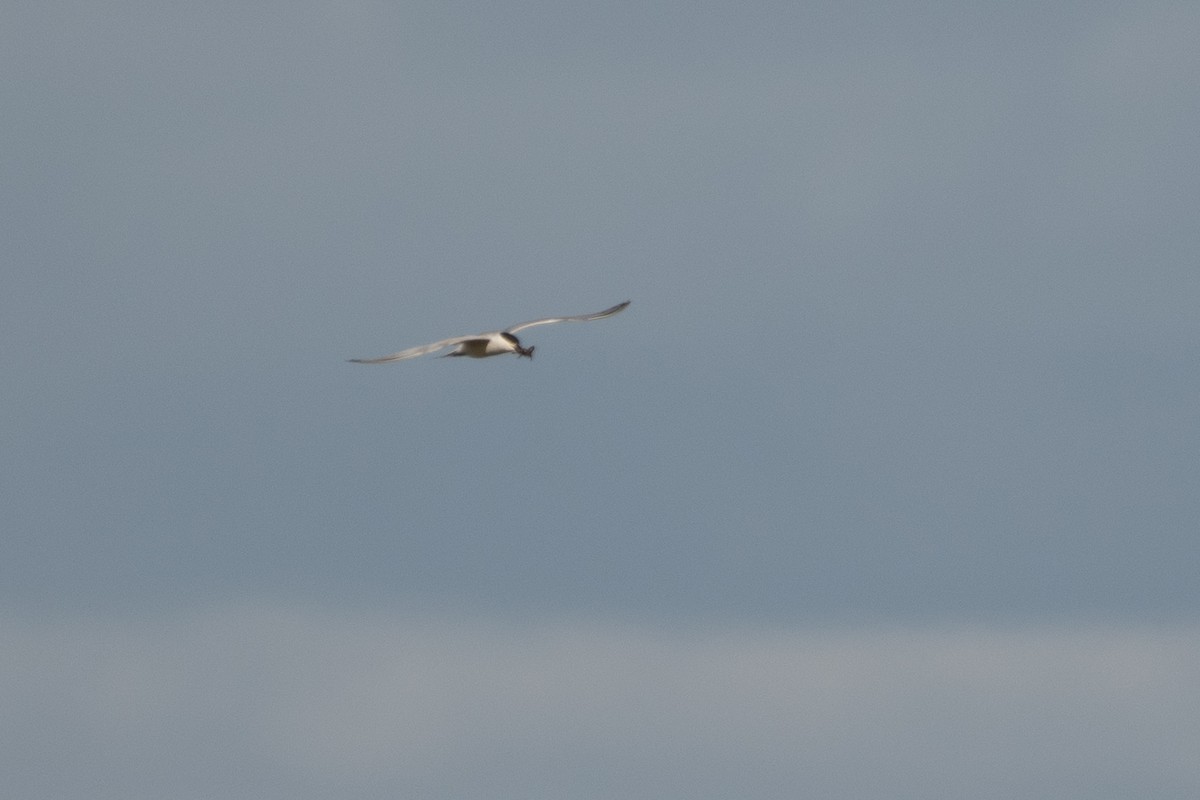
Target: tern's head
{"type": "Point", "coordinates": [522, 352]}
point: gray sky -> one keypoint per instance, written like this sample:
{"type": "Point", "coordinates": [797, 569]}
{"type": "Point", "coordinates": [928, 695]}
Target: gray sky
{"type": "Point", "coordinates": [884, 485]}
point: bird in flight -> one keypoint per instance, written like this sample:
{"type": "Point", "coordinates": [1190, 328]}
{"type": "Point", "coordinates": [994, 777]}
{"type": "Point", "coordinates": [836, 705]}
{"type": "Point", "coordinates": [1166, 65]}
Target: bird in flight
{"type": "Point", "coordinates": [492, 343]}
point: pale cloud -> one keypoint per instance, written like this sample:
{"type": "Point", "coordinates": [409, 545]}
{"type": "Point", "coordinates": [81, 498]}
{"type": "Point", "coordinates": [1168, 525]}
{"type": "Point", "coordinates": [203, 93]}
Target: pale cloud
{"type": "Point", "coordinates": [1141, 55]}
{"type": "Point", "coordinates": [259, 702]}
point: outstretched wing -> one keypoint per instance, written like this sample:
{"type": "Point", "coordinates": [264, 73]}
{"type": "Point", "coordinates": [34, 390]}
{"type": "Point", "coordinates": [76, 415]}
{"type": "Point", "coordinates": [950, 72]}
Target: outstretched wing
{"type": "Point", "coordinates": [608, 312]}
{"type": "Point", "coordinates": [413, 352]}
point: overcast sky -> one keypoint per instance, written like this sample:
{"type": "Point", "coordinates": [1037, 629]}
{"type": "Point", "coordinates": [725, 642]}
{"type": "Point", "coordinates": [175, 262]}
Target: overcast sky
{"type": "Point", "coordinates": [884, 485]}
